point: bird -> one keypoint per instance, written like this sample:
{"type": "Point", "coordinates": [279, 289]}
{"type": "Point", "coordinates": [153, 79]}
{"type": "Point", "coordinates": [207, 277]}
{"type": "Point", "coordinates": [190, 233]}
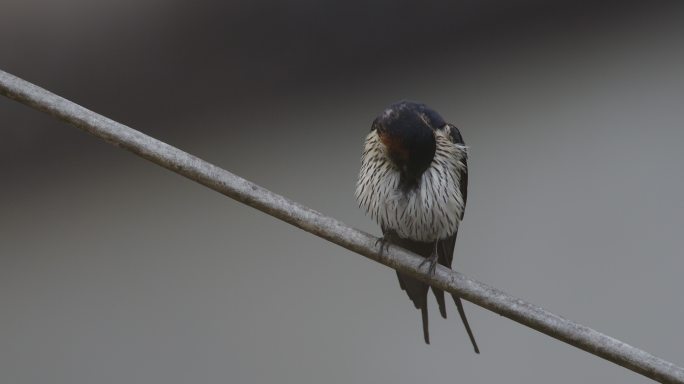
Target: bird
{"type": "Point", "coordinates": [413, 182]}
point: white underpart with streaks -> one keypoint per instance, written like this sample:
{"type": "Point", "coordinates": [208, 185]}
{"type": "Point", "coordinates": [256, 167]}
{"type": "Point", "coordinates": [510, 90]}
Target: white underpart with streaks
{"type": "Point", "coordinates": [429, 212]}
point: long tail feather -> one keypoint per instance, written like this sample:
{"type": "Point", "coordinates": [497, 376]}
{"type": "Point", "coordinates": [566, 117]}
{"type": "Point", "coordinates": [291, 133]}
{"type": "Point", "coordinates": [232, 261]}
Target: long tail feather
{"type": "Point", "coordinates": [461, 311]}
{"type": "Point", "coordinates": [439, 296]}
{"type": "Point", "coordinates": [426, 332]}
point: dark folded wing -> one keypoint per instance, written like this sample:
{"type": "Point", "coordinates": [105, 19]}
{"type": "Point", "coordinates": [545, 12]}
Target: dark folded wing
{"type": "Point", "coordinates": [445, 247]}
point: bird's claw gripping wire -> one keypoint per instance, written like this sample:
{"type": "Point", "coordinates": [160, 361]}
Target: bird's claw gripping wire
{"type": "Point", "coordinates": [432, 261]}
{"type": "Point", "coordinates": [384, 245]}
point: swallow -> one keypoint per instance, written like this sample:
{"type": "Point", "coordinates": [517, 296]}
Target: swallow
{"type": "Point", "coordinates": [414, 183]}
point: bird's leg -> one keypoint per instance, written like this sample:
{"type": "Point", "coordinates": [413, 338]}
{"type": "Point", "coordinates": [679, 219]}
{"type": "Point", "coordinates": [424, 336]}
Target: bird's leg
{"type": "Point", "coordinates": [384, 244]}
{"type": "Point", "coordinates": [432, 260]}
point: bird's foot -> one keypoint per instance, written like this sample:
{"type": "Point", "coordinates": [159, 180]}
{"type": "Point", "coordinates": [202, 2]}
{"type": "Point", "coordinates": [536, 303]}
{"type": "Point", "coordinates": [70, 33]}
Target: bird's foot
{"type": "Point", "coordinates": [384, 244]}
{"type": "Point", "coordinates": [432, 261]}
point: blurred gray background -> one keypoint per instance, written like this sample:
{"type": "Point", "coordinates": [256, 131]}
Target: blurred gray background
{"type": "Point", "coordinates": [113, 270]}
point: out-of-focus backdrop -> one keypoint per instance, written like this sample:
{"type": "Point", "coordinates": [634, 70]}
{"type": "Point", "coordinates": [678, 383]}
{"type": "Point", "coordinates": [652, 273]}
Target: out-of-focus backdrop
{"type": "Point", "coordinates": [113, 270]}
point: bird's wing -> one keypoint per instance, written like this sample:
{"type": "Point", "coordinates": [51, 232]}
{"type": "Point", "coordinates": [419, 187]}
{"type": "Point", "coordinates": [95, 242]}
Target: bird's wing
{"type": "Point", "coordinates": [445, 248]}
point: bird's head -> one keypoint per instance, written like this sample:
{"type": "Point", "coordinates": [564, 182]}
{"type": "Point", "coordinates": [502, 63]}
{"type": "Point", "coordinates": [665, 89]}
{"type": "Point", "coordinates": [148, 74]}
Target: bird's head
{"type": "Point", "coordinates": [406, 129]}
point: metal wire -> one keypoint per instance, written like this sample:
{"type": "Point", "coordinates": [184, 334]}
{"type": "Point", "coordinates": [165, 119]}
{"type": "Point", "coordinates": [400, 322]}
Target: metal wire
{"type": "Point", "coordinates": [335, 231]}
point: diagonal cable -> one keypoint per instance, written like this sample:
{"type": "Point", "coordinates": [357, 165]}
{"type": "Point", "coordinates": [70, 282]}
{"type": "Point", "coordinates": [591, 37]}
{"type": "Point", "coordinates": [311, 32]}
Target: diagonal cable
{"type": "Point", "coordinates": [337, 232]}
